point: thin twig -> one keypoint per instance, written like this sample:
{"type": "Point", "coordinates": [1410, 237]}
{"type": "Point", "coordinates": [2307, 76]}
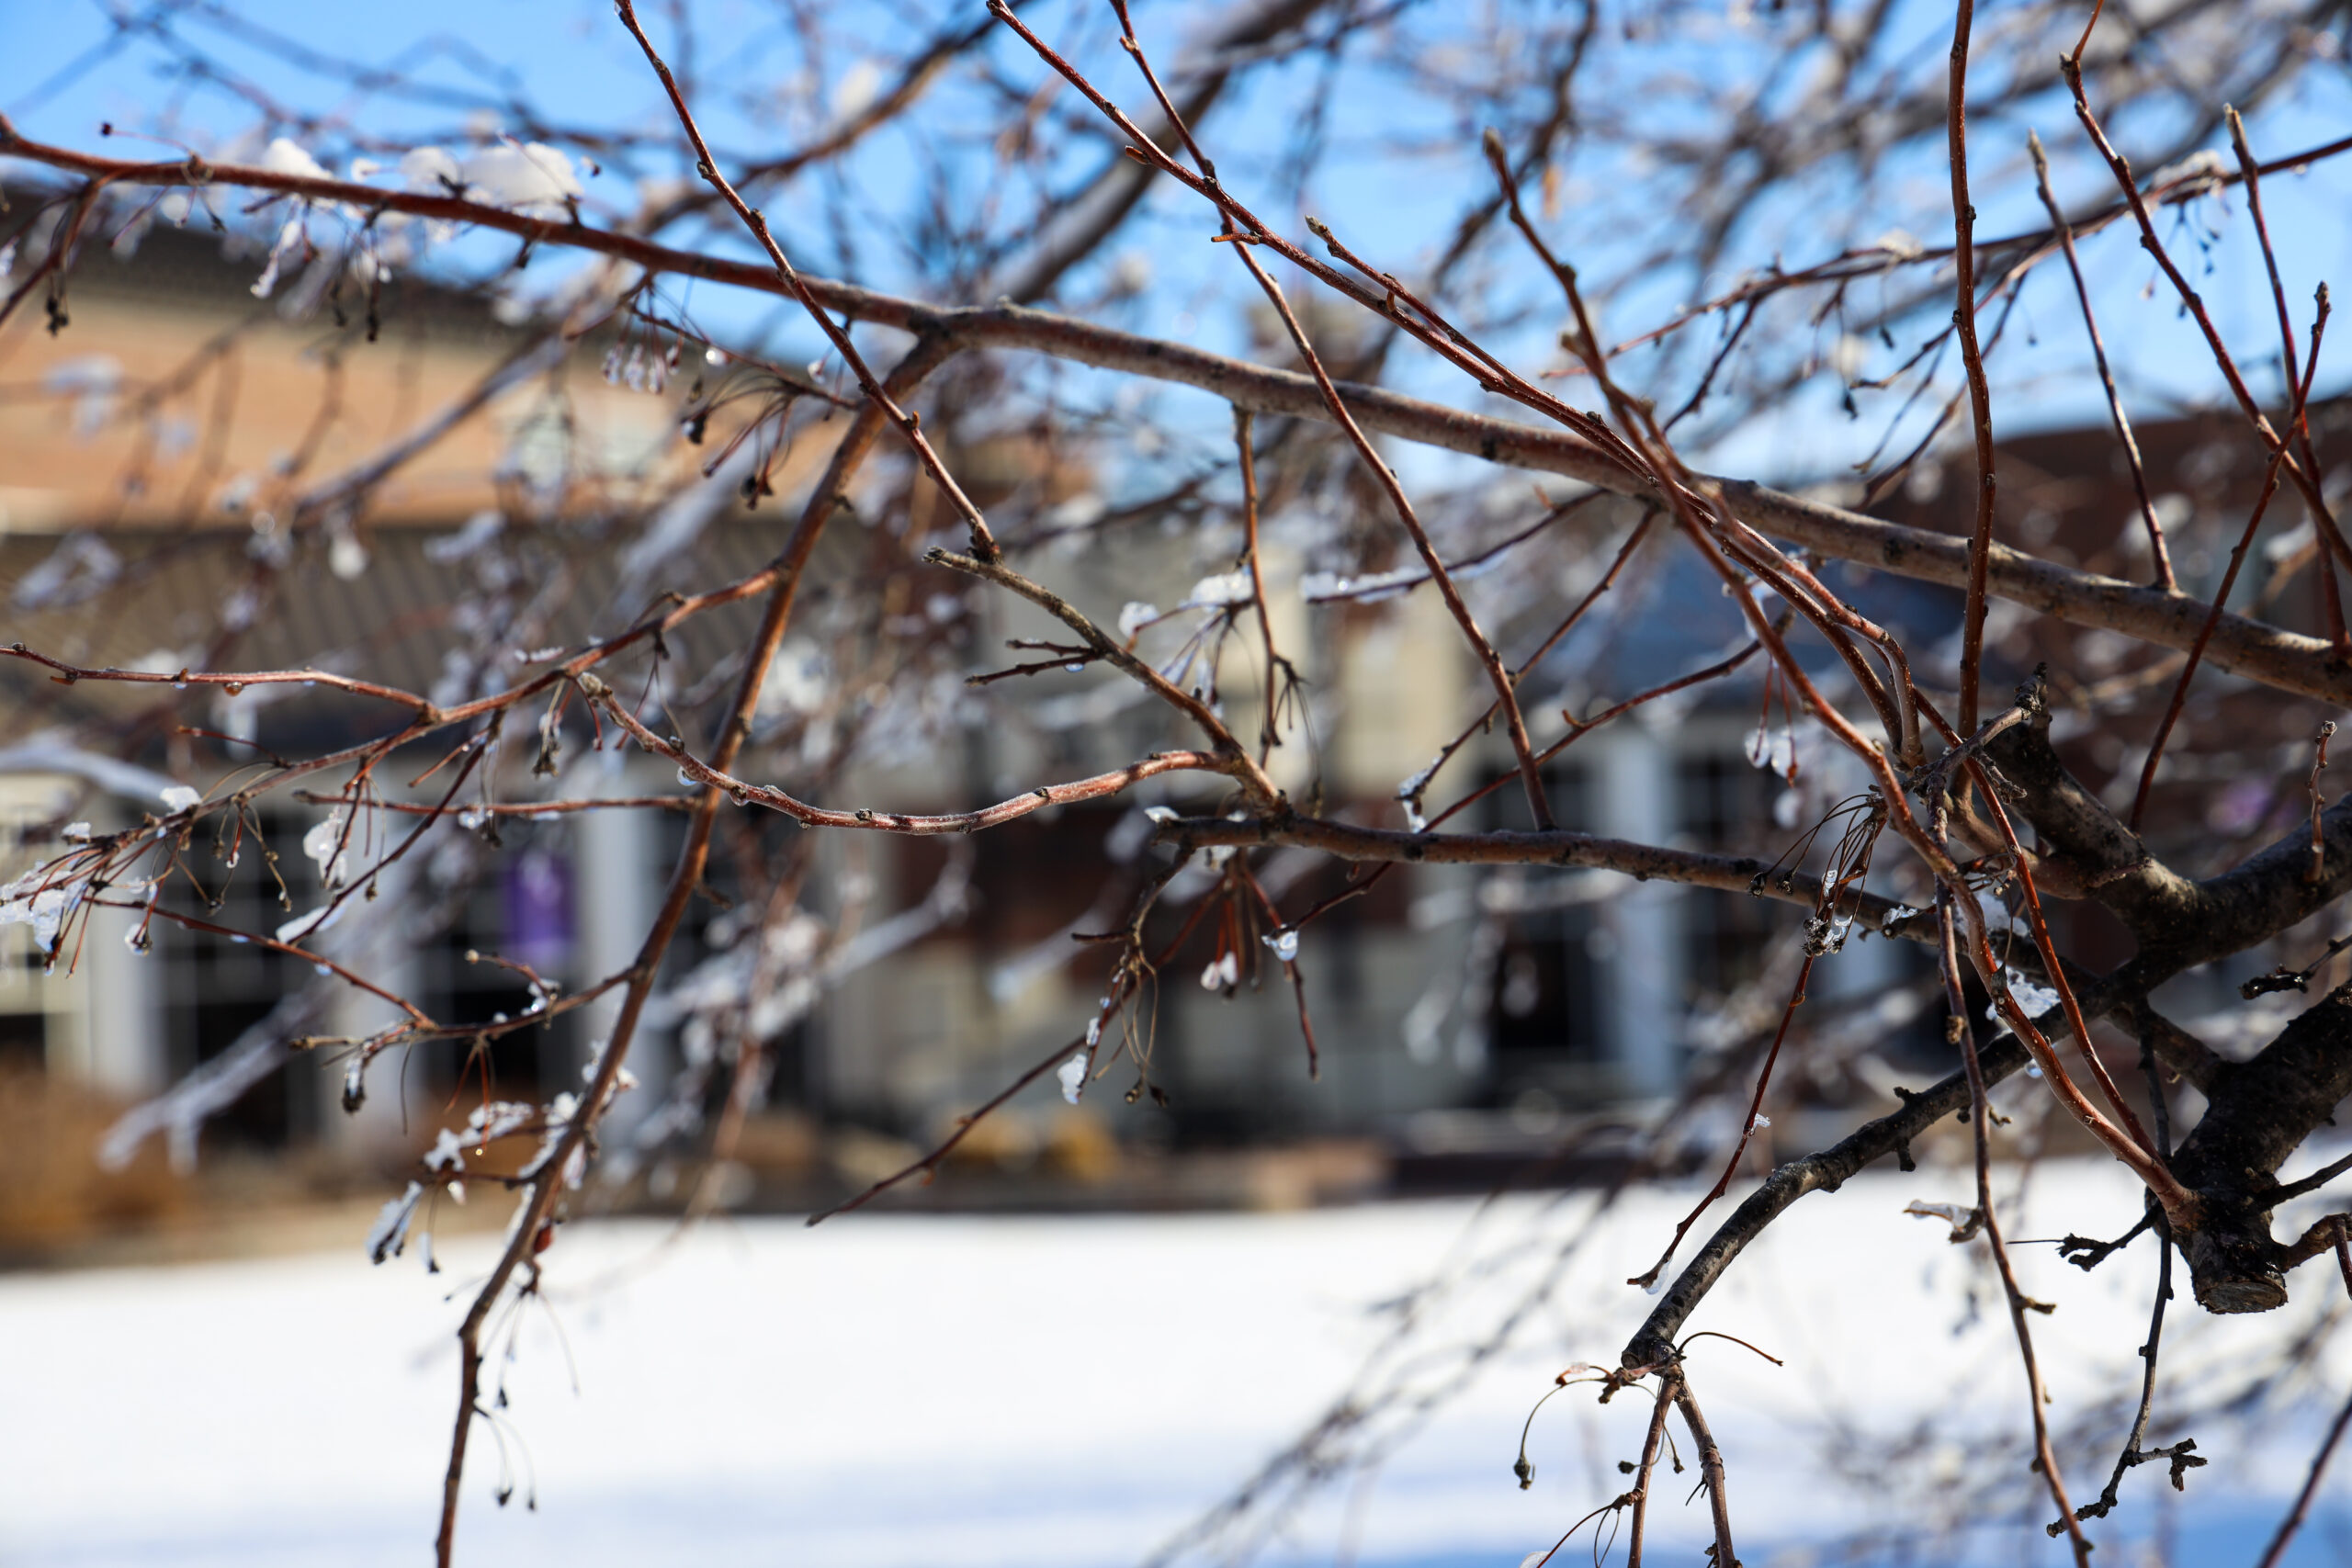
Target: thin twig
{"type": "Point", "coordinates": [2229, 578]}
{"type": "Point", "coordinates": [1506, 694]}
{"type": "Point", "coordinates": [2298, 427]}
{"type": "Point", "coordinates": [1711, 1468]}
{"type": "Point", "coordinates": [1957, 1029]}
{"type": "Point", "coordinates": [2318, 871]}
{"type": "Point", "coordinates": [908, 424]}
{"type": "Point", "coordinates": [1269, 733]}
{"type": "Point", "coordinates": [1668, 1379]}
{"type": "Point", "coordinates": [1747, 1127]}
{"type": "Point", "coordinates": [2295, 1516]}
{"type": "Point", "coordinates": [2122, 421]}
{"type": "Point", "coordinates": [1980, 394]}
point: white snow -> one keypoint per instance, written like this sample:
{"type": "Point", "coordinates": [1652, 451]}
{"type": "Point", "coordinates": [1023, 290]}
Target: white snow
{"type": "Point", "coordinates": [531, 178]}
{"type": "Point", "coordinates": [2033, 998]}
{"type": "Point", "coordinates": [326, 843]}
{"type": "Point", "coordinates": [430, 171]}
{"type": "Point", "coordinates": [309, 923]}
{"type": "Point", "coordinates": [1216, 591]}
{"type": "Point", "coordinates": [283, 157]}
{"type": "Point", "coordinates": [389, 1236]}
{"type": "Point", "coordinates": [44, 910]}
{"type": "Point", "coordinates": [1772, 750]}
{"type": "Point", "coordinates": [290, 236]}
{"type": "Point", "coordinates": [1053, 1392]}
{"type": "Point", "coordinates": [1899, 243]}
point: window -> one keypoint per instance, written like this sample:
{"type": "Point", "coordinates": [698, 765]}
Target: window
{"type": "Point", "coordinates": [1544, 1024]}
{"type": "Point", "coordinates": [518, 908]}
{"type": "Point", "coordinates": [1724, 805]}
{"type": "Point", "coordinates": [24, 1028]}
{"type": "Point", "coordinates": [215, 987]}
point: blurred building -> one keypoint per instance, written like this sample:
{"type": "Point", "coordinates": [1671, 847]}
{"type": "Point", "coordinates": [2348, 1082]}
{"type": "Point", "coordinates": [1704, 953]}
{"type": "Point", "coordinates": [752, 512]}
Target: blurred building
{"type": "Point", "coordinates": [1459, 1012]}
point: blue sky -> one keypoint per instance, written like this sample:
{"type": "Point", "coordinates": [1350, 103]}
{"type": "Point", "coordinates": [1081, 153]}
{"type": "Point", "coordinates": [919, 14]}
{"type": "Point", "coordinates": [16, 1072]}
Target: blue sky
{"type": "Point", "coordinates": [62, 77]}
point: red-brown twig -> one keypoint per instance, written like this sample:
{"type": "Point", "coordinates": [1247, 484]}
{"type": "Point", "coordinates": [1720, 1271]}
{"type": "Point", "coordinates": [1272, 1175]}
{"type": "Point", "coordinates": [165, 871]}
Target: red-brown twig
{"type": "Point", "coordinates": [1232, 757]}
{"type": "Point", "coordinates": [2319, 765]}
{"type": "Point", "coordinates": [2106, 377]}
{"type": "Point", "coordinates": [1667, 1382]}
{"type": "Point", "coordinates": [1747, 1129]}
{"type": "Point", "coordinates": [1567, 624]}
{"type": "Point", "coordinates": [1980, 394]}
{"type": "Point", "coordinates": [1958, 1030]}
{"type": "Point", "coordinates": [2295, 1516]}
{"type": "Point", "coordinates": [908, 424]}
{"type": "Point", "coordinates": [2299, 428]}
{"type": "Point", "coordinates": [1269, 733]}
{"type": "Point", "coordinates": [2262, 653]}
{"type": "Point", "coordinates": [964, 1125]}
{"type": "Point", "coordinates": [2194, 303]}
{"type": "Point", "coordinates": [527, 810]}
{"type": "Point", "coordinates": [744, 793]}
{"type": "Point", "coordinates": [1711, 1463]}
{"type": "Point", "coordinates": [1498, 676]}
{"type": "Point", "coordinates": [538, 1205]}
{"type": "Point", "coordinates": [2229, 578]}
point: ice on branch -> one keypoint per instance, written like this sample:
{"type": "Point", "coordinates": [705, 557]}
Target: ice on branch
{"type": "Point", "coordinates": [859, 87]}
{"type": "Point", "coordinates": [559, 1112]}
{"type": "Point", "coordinates": [2032, 1000]}
{"type": "Point", "coordinates": [179, 798]}
{"type": "Point", "coordinates": [1224, 970]}
{"type": "Point", "coordinates": [1411, 788]}
{"type": "Point", "coordinates": [324, 844]}
{"type": "Point", "coordinates": [497, 1120]}
{"type": "Point", "coordinates": [532, 178]}
{"type": "Point", "coordinates": [283, 157]}
{"type": "Point", "coordinates": [797, 680]}
{"type": "Point", "coordinates": [1901, 244]}
{"type": "Point", "coordinates": [2202, 170]}
{"type": "Point", "coordinates": [1217, 591]}
{"type": "Point", "coordinates": [1284, 942]}
{"type": "Point", "coordinates": [1073, 1075]}
{"type": "Point", "coordinates": [1136, 617]}
{"type": "Point", "coordinates": [44, 910]}
{"type": "Point", "coordinates": [309, 924]}
{"type": "Point", "coordinates": [479, 530]}
{"type": "Point", "coordinates": [387, 1237]}
{"type": "Point", "coordinates": [94, 383]}
{"type": "Point", "coordinates": [1321, 587]}
{"type": "Point", "coordinates": [430, 171]}
{"type": "Point", "coordinates": [288, 235]}
{"type": "Point", "coordinates": [1774, 751]}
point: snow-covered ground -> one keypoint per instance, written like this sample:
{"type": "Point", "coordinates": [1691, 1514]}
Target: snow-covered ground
{"type": "Point", "coordinates": [891, 1390]}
